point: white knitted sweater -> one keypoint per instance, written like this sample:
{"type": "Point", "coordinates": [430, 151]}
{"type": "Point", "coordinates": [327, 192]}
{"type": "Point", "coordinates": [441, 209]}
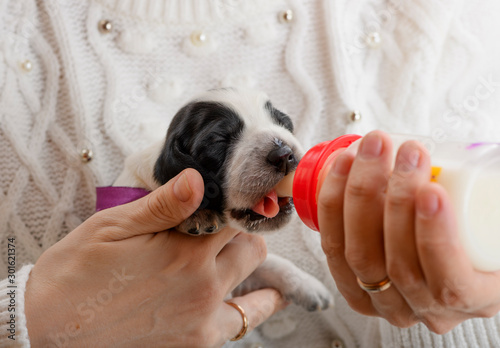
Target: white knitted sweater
{"type": "Point", "coordinates": [70, 82]}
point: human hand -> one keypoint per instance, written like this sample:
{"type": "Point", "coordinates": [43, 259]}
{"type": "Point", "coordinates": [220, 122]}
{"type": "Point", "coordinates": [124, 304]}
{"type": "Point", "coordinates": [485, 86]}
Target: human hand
{"type": "Point", "coordinates": [122, 279]}
{"type": "Point", "coordinates": [376, 224]}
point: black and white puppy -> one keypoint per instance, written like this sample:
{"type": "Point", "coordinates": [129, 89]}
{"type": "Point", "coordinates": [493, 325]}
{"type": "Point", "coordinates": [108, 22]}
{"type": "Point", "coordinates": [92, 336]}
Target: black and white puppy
{"type": "Point", "coordinates": [243, 147]}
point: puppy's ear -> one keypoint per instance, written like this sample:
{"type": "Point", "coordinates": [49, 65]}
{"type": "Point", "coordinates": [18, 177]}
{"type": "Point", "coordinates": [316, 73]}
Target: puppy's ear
{"type": "Point", "coordinates": [200, 136]}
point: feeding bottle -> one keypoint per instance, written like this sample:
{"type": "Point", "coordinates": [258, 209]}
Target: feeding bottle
{"type": "Point", "coordinates": [469, 172]}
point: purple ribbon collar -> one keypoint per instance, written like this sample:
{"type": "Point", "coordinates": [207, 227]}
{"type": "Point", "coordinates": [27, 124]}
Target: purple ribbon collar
{"type": "Point", "coordinates": [112, 196]}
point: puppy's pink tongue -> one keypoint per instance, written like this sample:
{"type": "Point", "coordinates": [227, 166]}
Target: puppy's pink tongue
{"type": "Point", "coordinates": [268, 206]}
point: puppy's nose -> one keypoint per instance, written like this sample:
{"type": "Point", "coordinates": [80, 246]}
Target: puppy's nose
{"type": "Point", "coordinates": [282, 158]}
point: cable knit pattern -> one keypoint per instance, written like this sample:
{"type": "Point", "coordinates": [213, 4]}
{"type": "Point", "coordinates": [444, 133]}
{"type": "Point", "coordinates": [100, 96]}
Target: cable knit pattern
{"type": "Point", "coordinates": [115, 91]}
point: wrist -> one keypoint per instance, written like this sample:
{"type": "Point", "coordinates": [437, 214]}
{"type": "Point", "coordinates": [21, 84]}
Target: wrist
{"type": "Point", "coordinates": [46, 316]}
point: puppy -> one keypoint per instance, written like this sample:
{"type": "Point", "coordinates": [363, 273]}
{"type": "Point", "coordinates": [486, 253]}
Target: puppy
{"type": "Point", "coordinates": [243, 147]}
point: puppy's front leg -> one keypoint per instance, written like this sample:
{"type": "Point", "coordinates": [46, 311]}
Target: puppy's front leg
{"type": "Point", "coordinates": [294, 284]}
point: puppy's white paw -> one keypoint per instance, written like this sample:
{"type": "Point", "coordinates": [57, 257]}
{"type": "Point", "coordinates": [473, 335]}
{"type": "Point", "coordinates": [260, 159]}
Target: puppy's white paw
{"type": "Point", "coordinates": [307, 291]}
{"type": "Point", "coordinates": [294, 284]}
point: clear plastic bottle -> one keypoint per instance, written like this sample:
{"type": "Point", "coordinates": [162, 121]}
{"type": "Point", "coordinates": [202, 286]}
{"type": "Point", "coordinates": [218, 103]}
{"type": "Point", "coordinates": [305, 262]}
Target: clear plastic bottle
{"type": "Point", "coordinates": [470, 173]}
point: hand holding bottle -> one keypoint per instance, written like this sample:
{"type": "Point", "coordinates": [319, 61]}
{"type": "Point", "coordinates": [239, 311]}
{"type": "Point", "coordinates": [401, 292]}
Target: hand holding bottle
{"type": "Point", "coordinates": [381, 223]}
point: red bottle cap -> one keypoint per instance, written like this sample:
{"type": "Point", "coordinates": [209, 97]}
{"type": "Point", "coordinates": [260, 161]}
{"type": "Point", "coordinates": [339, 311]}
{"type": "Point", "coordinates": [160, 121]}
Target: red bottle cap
{"type": "Point", "coordinates": [305, 181]}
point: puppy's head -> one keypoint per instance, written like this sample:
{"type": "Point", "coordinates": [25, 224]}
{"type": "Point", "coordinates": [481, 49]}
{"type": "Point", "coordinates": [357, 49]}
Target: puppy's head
{"type": "Point", "coordinates": [243, 147]}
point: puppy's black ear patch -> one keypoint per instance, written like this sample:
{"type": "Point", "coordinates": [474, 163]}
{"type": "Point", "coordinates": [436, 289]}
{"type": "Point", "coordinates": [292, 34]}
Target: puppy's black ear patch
{"type": "Point", "coordinates": [200, 136]}
{"type": "Point", "coordinates": [279, 117]}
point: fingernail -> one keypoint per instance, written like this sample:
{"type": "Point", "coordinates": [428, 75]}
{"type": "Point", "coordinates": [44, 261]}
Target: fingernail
{"type": "Point", "coordinates": [428, 204]}
{"type": "Point", "coordinates": [408, 159]}
{"type": "Point", "coordinates": [371, 146]}
{"type": "Point", "coordinates": [182, 190]}
{"type": "Point", "coordinates": [341, 166]}
{"type": "Point", "coordinates": [414, 158]}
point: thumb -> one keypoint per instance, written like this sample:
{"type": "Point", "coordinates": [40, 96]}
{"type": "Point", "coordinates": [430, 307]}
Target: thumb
{"type": "Point", "coordinates": [164, 208]}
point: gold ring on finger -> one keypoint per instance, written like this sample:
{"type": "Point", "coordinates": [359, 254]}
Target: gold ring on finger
{"type": "Point", "coordinates": [374, 288]}
{"type": "Point", "coordinates": [244, 328]}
